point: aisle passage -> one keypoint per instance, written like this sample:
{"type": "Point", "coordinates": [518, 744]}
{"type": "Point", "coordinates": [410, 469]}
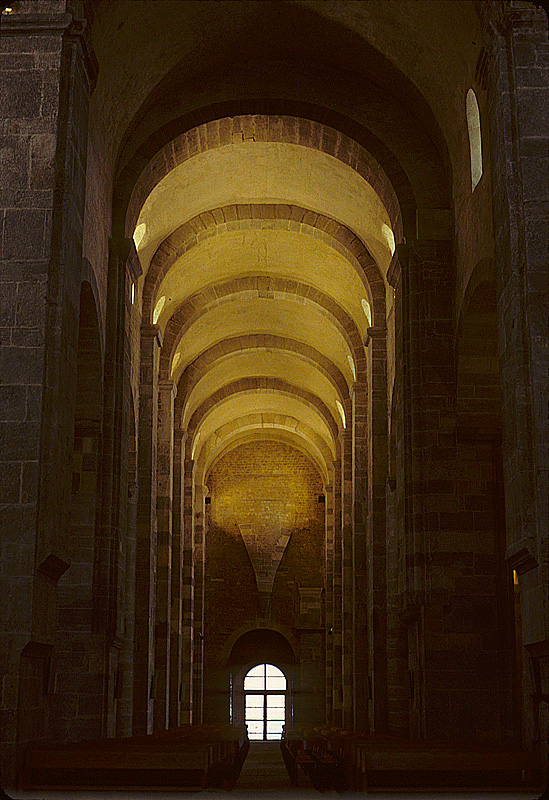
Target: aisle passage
{"type": "Point", "coordinates": [264, 770]}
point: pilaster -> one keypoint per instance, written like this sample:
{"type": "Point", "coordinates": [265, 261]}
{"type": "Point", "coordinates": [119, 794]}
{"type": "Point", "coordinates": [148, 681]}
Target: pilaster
{"type": "Point", "coordinates": [187, 592]}
{"type": "Point", "coordinates": [176, 625]}
{"type": "Point", "coordinates": [347, 639]}
{"type": "Point", "coordinates": [337, 693]}
{"type": "Point", "coordinates": [146, 547]}
{"type": "Point", "coordinates": [359, 400]}
{"type": "Point", "coordinates": [199, 535]}
{"type": "Point", "coordinates": [47, 74]}
{"type": "Point", "coordinates": [164, 481]}
{"type": "Point", "coordinates": [376, 344]}
{"type": "Point", "coordinates": [329, 592]}
{"type": "Point", "coordinates": [513, 69]}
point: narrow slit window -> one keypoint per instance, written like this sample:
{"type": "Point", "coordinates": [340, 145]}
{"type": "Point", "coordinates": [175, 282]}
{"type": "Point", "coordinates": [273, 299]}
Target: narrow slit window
{"type": "Point", "coordinates": [475, 138]}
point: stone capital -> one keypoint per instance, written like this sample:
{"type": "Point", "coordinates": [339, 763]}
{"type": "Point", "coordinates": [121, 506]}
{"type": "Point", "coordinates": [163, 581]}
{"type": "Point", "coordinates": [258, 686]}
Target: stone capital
{"type": "Point", "coordinates": [358, 388]}
{"type": "Point", "coordinates": [22, 23]}
{"type": "Point", "coordinates": [374, 333]}
{"type": "Point", "coordinates": [150, 331]}
{"type": "Point", "coordinates": [168, 386]}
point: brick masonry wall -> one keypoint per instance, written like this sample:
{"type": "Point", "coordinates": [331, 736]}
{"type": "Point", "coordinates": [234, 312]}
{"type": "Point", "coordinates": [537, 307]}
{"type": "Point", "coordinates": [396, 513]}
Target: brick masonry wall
{"type": "Point", "coordinates": [43, 119]}
{"type": "Point", "coordinates": [265, 565]}
{"type": "Point", "coordinates": [514, 68]}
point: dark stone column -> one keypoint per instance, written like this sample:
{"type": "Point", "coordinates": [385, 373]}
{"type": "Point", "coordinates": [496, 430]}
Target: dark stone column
{"type": "Point", "coordinates": [109, 546]}
{"type": "Point", "coordinates": [337, 694]}
{"type": "Point", "coordinates": [187, 591]}
{"type": "Point", "coordinates": [145, 573]}
{"type": "Point", "coordinates": [396, 499]}
{"type": "Point", "coordinates": [513, 68]}
{"type": "Point", "coordinates": [347, 644]}
{"type": "Point", "coordinates": [359, 397]}
{"type": "Point", "coordinates": [199, 559]}
{"type": "Point", "coordinates": [436, 532]}
{"type": "Point", "coordinates": [164, 475]}
{"type": "Point", "coordinates": [176, 628]}
{"type": "Point", "coordinates": [329, 594]}
{"type": "Point", "coordinates": [47, 71]}
{"type": "Point", "coordinates": [376, 526]}
{"type": "Point", "coordinates": [451, 594]}
{"type": "Point", "coordinates": [124, 693]}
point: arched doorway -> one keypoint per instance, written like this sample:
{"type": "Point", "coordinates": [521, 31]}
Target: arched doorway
{"type": "Point", "coordinates": [262, 662]}
{"type": "Point", "coordinates": [265, 688]}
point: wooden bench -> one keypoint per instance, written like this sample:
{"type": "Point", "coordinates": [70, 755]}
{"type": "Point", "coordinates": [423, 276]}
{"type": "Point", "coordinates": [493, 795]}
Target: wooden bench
{"type": "Point", "coordinates": [385, 762]}
{"type": "Point", "coordinates": [311, 755]}
{"type": "Point", "coordinates": [171, 760]}
{"type": "Point", "coordinates": [296, 758]}
{"type": "Point", "coordinates": [427, 765]}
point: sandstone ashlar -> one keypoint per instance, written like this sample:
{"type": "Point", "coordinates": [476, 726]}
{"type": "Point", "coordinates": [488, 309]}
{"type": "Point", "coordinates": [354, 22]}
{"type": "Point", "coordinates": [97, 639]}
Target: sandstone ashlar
{"type": "Point", "coordinates": [146, 550]}
{"type": "Point", "coordinates": [164, 556]}
{"type": "Point", "coordinates": [47, 75]}
{"type": "Point", "coordinates": [517, 97]}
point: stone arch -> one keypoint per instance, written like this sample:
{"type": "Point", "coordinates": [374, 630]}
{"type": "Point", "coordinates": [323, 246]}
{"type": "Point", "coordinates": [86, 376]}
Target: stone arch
{"type": "Point", "coordinates": [212, 297]}
{"type": "Point", "coordinates": [242, 632]}
{"type": "Point", "coordinates": [261, 385]}
{"type": "Point", "coordinates": [199, 367]}
{"type": "Point", "coordinates": [301, 438]}
{"type": "Point", "coordinates": [279, 216]}
{"type": "Point", "coordinates": [288, 130]}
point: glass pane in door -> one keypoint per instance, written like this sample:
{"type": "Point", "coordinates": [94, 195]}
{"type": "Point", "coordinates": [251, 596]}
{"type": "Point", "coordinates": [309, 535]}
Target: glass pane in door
{"type": "Point", "coordinates": [255, 730]}
{"type": "Point", "coordinates": [254, 707]}
{"type": "Point", "coordinates": [275, 711]}
{"type": "Point", "coordinates": [274, 730]}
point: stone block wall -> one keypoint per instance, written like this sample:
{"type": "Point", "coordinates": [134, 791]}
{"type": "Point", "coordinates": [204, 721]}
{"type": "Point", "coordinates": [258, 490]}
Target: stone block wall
{"type": "Point", "coordinates": [46, 78]}
{"type": "Point", "coordinates": [265, 565]}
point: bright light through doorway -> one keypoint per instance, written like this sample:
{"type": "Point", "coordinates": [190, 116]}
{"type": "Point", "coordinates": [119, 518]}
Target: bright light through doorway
{"type": "Point", "coordinates": [265, 702]}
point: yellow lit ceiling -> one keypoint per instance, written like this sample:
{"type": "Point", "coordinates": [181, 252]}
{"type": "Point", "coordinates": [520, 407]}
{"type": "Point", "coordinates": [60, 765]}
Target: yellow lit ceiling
{"type": "Point", "coordinates": [263, 318]}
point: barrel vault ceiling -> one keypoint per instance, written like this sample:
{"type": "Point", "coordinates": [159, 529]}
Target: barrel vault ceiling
{"type": "Point", "coordinates": [262, 308]}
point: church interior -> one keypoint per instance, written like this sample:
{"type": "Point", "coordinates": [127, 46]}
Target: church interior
{"type": "Point", "coordinates": [273, 380]}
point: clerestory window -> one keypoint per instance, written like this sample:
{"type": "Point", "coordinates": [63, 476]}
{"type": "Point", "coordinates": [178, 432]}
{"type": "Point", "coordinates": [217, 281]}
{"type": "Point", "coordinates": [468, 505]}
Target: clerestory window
{"type": "Point", "coordinates": [475, 138]}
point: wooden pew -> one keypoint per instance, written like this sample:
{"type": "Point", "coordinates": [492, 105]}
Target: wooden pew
{"type": "Point", "coordinates": [180, 759]}
{"type": "Point", "coordinates": [385, 762]}
{"type": "Point", "coordinates": [442, 767]}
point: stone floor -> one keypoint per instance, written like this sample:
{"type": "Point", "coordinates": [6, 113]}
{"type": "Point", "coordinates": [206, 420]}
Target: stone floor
{"type": "Point", "coordinates": [264, 774]}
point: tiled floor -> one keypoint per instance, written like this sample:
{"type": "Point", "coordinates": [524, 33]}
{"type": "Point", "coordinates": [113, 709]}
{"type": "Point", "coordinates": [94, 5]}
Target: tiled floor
{"type": "Point", "coordinates": [264, 775]}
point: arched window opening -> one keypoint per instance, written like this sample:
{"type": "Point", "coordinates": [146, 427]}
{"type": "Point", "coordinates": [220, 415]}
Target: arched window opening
{"type": "Point", "coordinates": [475, 138]}
{"type": "Point", "coordinates": [265, 702]}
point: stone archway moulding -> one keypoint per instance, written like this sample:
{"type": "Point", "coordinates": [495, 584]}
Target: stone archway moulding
{"type": "Point", "coordinates": [263, 128]}
{"type": "Point", "coordinates": [197, 305]}
{"type": "Point", "coordinates": [260, 215]}
{"type": "Point", "coordinates": [258, 341]}
{"type": "Point", "coordinates": [259, 385]}
{"type": "Point", "coordinates": [206, 462]}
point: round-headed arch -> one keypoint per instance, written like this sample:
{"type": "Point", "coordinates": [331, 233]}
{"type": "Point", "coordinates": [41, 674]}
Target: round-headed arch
{"type": "Point", "coordinates": [264, 217]}
{"type": "Point", "coordinates": [195, 371]}
{"type": "Point", "coordinates": [259, 128]}
{"type": "Point", "coordinates": [213, 450]}
{"type": "Point", "coordinates": [263, 288]}
{"type": "Point", "coordinates": [261, 386]}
